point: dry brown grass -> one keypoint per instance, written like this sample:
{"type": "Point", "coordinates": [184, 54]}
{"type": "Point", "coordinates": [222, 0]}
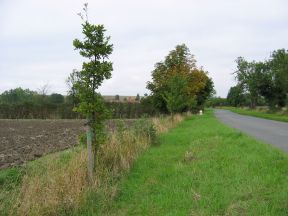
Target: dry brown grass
{"type": "Point", "coordinates": [163, 124]}
{"type": "Point", "coordinates": [53, 185]}
{"type": "Point", "coordinates": [59, 186]}
{"type": "Point", "coordinates": [118, 154]}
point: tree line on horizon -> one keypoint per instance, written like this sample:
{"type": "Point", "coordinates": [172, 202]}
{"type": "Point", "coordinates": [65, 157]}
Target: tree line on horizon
{"type": "Point", "coordinates": [22, 103]}
{"type": "Point", "coordinates": [261, 82]}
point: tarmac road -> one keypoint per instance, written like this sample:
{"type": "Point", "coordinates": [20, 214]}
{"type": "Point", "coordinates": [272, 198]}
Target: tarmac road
{"type": "Point", "coordinates": [273, 132]}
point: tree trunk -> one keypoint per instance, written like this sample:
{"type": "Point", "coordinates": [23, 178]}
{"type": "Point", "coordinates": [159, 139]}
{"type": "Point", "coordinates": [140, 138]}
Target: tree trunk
{"type": "Point", "coordinates": [89, 134]}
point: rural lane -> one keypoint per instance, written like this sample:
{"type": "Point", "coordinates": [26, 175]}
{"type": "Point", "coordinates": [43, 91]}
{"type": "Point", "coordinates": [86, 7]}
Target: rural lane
{"type": "Point", "coordinates": [273, 132]}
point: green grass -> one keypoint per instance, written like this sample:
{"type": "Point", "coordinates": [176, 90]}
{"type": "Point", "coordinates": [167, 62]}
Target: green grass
{"type": "Point", "coordinates": [10, 176]}
{"type": "Point", "coordinates": [203, 167]}
{"type": "Point", "coordinates": [260, 114]}
{"type": "Point", "coordinates": [10, 180]}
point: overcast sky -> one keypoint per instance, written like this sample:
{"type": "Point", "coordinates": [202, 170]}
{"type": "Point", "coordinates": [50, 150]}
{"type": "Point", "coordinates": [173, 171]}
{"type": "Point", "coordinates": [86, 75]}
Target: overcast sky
{"type": "Point", "coordinates": [36, 38]}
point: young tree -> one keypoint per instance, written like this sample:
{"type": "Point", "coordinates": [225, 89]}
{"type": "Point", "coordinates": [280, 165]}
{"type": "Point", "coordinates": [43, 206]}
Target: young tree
{"type": "Point", "coordinates": [96, 48]}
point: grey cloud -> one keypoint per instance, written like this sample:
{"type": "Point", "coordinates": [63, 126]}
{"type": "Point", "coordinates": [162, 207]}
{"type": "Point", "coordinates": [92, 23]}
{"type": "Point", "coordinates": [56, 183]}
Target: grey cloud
{"type": "Point", "coordinates": [36, 38]}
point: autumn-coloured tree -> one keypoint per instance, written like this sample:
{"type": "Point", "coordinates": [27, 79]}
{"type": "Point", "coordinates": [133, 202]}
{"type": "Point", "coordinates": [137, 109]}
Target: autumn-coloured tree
{"type": "Point", "coordinates": [179, 63]}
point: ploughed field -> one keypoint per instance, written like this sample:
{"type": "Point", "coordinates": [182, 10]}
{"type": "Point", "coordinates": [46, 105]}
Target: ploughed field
{"type": "Point", "coordinates": [26, 140]}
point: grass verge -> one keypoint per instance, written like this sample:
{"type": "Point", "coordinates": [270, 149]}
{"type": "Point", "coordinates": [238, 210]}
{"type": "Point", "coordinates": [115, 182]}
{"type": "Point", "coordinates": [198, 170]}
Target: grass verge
{"type": "Point", "coordinates": [203, 167]}
{"type": "Point", "coordinates": [57, 183]}
{"type": "Point", "coordinates": [260, 114]}
{"type": "Point", "coordinates": [44, 186]}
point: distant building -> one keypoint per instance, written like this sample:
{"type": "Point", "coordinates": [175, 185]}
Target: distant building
{"type": "Point", "coordinates": [121, 99]}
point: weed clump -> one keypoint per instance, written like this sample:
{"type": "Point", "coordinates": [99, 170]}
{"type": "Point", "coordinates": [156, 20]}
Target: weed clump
{"type": "Point", "coordinates": [188, 157]}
